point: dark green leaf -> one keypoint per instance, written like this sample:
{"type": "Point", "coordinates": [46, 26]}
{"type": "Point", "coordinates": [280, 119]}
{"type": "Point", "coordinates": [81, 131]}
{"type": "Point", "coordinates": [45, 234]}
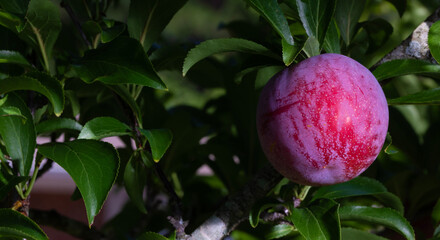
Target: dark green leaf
{"type": "Point", "coordinates": [434, 40]}
{"type": "Point", "coordinates": [272, 12]}
{"type": "Point", "coordinates": [9, 20]}
{"type": "Point", "coordinates": [19, 135]}
{"type": "Point", "coordinates": [437, 232]}
{"type": "Point", "coordinates": [331, 41]}
{"type": "Point", "coordinates": [319, 221]}
{"type": "Point", "coordinates": [400, 67]}
{"type": "Point", "coordinates": [316, 15]}
{"type": "Point", "coordinates": [383, 216]}
{"type": "Point", "coordinates": [93, 166]}
{"type": "Point", "coordinates": [360, 186]}
{"type": "Point", "coordinates": [120, 61]}
{"type": "Point", "coordinates": [279, 231]}
{"type": "Point", "coordinates": [351, 233]}
{"type": "Point", "coordinates": [260, 206]}
{"type": "Point", "coordinates": [8, 182]}
{"type": "Point", "coordinates": [102, 127]}
{"type": "Point", "coordinates": [436, 212]}
{"type": "Point", "coordinates": [379, 31]}
{"type": "Point", "coordinates": [347, 15]}
{"type": "Point", "coordinates": [42, 26]}
{"type": "Point", "coordinates": [7, 56]}
{"type": "Point", "coordinates": [431, 96]}
{"type": "Point", "coordinates": [147, 19]}
{"type": "Point", "coordinates": [18, 7]}
{"type": "Point", "coordinates": [113, 32]}
{"type": "Point", "coordinates": [15, 225]}
{"type": "Point", "coordinates": [135, 178]}
{"type": "Point", "coordinates": [214, 46]}
{"type": "Point", "coordinates": [91, 29]}
{"type": "Point", "coordinates": [400, 5]}
{"type": "Point", "coordinates": [151, 236]}
{"type": "Point", "coordinates": [160, 140]}
{"type": "Point", "coordinates": [56, 124]}
{"type": "Point", "coordinates": [39, 82]}
{"type": "Point", "coordinates": [126, 96]}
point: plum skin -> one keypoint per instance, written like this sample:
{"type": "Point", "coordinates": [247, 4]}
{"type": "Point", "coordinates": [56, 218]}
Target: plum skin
{"type": "Point", "coordinates": [323, 121]}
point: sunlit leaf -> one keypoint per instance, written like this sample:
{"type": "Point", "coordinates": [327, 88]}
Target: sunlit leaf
{"type": "Point", "coordinates": [434, 40]}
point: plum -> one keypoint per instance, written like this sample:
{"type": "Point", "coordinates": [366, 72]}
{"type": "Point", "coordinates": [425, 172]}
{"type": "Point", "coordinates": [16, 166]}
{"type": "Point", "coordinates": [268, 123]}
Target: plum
{"type": "Point", "coordinates": [322, 121]}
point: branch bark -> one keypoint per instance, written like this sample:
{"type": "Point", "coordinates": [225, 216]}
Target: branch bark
{"type": "Point", "coordinates": [416, 45]}
{"type": "Point", "coordinates": [237, 208]}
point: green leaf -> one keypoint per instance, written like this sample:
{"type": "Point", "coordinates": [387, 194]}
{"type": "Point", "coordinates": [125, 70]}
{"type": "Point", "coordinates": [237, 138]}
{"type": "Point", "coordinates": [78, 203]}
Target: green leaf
{"type": "Point", "coordinates": [7, 56]}
{"type": "Point", "coordinates": [18, 135]}
{"type": "Point", "coordinates": [160, 140]}
{"type": "Point", "coordinates": [331, 41]}
{"type": "Point", "coordinates": [383, 216]}
{"type": "Point", "coordinates": [214, 46]}
{"type": "Point", "coordinates": [18, 7]}
{"type": "Point", "coordinates": [147, 19]}
{"type": "Point", "coordinates": [272, 12]}
{"type": "Point", "coordinates": [9, 20]}
{"type": "Point", "coordinates": [279, 231]}
{"type": "Point", "coordinates": [42, 26]}
{"type": "Point", "coordinates": [120, 61]}
{"type": "Point", "coordinates": [319, 221]}
{"type": "Point", "coordinates": [113, 32]}
{"type": "Point", "coordinates": [151, 236]}
{"type": "Point", "coordinates": [311, 47]}
{"type": "Point", "coordinates": [8, 182]}
{"type": "Point", "coordinates": [347, 15]}
{"type": "Point", "coordinates": [39, 82]}
{"type": "Point", "coordinates": [6, 111]}
{"type": "Point", "coordinates": [316, 15]}
{"type": "Point", "coordinates": [260, 206]}
{"type": "Point", "coordinates": [400, 5]}
{"type": "Point", "coordinates": [434, 40]}
{"type": "Point", "coordinates": [430, 97]}
{"type": "Point", "coordinates": [135, 178]}
{"type": "Point", "coordinates": [360, 186]}
{"type": "Point", "coordinates": [436, 212]}
{"type": "Point", "coordinates": [351, 233]}
{"type": "Point", "coordinates": [93, 166]}
{"type": "Point", "coordinates": [102, 127]}
{"type": "Point", "coordinates": [15, 225]}
{"type": "Point", "coordinates": [122, 91]}
{"type": "Point", "coordinates": [290, 52]}
{"type": "Point", "coordinates": [400, 67]}
{"type": "Point", "coordinates": [56, 124]}
{"type": "Point", "coordinates": [379, 31]}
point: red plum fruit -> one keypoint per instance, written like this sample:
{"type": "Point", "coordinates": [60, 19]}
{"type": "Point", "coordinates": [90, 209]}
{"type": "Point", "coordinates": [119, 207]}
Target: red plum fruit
{"type": "Point", "coordinates": [322, 121]}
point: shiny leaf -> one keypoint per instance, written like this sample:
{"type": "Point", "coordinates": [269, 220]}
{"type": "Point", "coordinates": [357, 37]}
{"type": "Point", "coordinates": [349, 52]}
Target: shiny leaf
{"type": "Point", "coordinates": [401, 67]}
{"type": "Point", "coordinates": [56, 124]}
{"type": "Point", "coordinates": [93, 166]}
{"type": "Point", "coordinates": [160, 140]}
{"type": "Point", "coordinates": [429, 97]}
{"type": "Point", "coordinates": [7, 56]}
{"type": "Point", "coordinates": [434, 40]}
{"type": "Point", "coordinates": [135, 178]}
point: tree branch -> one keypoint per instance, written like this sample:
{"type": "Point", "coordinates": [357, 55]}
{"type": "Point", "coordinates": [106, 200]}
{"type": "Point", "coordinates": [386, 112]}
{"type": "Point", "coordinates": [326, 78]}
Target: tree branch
{"type": "Point", "coordinates": [237, 208]}
{"type": "Point", "coordinates": [416, 45]}
{"type": "Point", "coordinates": [73, 227]}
